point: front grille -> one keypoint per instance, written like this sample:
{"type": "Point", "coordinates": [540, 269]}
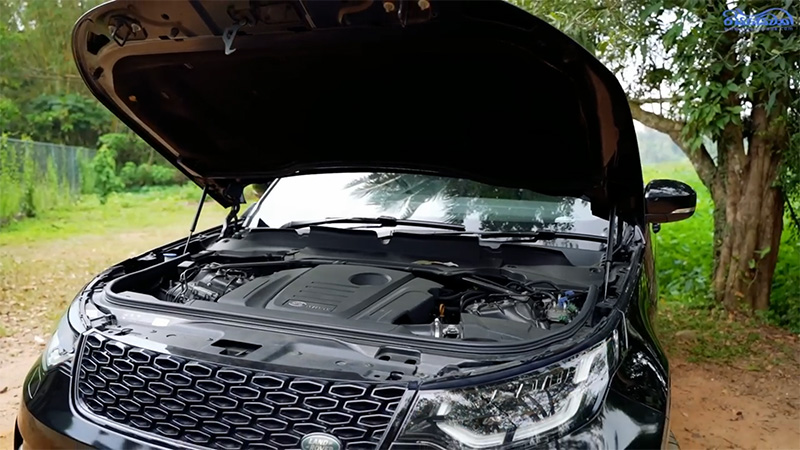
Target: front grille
{"type": "Point", "coordinates": [220, 406]}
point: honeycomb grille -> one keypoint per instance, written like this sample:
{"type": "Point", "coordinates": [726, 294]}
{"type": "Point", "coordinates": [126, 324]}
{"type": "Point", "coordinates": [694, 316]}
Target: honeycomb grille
{"type": "Point", "coordinates": [219, 406]}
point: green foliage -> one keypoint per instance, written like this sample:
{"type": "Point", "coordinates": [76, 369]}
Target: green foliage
{"type": "Point", "coordinates": [86, 174]}
{"type": "Point", "coordinates": [35, 47]}
{"type": "Point", "coordinates": [104, 167]}
{"type": "Point", "coordinates": [711, 77]}
{"type": "Point", "coordinates": [28, 185]}
{"type": "Point", "coordinates": [12, 195]}
{"type": "Point", "coordinates": [69, 119]}
{"type": "Point", "coordinates": [128, 147]}
{"type": "Point", "coordinates": [28, 189]}
{"type": "Point", "coordinates": [684, 249]}
{"type": "Point", "coordinates": [684, 256]}
{"type": "Point", "coordinates": [714, 334]}
{"type": "Point", "coordinates": [784, 308]}
{"type": "Point", "coordinates": [134, 176]}
{"type": "Point", "coordinates": [10, 115]}
{"type": "Point", "coordinates": [155, 206]}
{"type": "Point", "coordinates": [50, 191]}
{"type": "Point", "coordinates": [38, 79]}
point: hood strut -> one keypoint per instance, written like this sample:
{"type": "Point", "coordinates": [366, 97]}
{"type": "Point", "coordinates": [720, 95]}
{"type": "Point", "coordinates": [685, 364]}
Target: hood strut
{"type": "Point", "coordinates": [610, 243]}
{"type": "Point", "coordinates": [196, 218]}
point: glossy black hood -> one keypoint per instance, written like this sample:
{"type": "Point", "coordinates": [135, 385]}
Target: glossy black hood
{"type": "Point", "coordinates": [473, 89]}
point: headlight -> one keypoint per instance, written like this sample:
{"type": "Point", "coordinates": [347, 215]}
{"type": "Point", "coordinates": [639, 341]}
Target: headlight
{"type": "Point", "coordinates": [521, 411]}
{"type": "Point", "coordinates": [61, 348]}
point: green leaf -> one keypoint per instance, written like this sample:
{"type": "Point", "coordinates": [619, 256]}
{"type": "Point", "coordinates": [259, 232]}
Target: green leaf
{"type": "Point", "coordinates": [771, 101]}
{"type": "Point", "coordinates": [672, 34]}
{"type": "Point", "coordinates": [763, 252]}
{"type": "Point", "coordinates": [649, 10]}
{"type": "Point", "coordinates": [751, 264]}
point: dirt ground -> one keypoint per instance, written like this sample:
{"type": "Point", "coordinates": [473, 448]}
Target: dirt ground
{"type": "Point", "coordinates": [713, 406]}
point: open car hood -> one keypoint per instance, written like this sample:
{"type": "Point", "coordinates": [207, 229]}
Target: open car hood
{"type": "Point", "coordinates": [236, 92]}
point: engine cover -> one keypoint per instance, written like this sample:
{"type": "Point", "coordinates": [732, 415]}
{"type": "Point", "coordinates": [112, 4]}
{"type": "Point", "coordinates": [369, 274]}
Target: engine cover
{"type": "Point", "coordinates": [338, 290]}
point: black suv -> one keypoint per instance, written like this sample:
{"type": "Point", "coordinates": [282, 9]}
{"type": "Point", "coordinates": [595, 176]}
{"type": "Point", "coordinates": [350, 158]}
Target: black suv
{"type": "Point", "coordinates": [452, 249]}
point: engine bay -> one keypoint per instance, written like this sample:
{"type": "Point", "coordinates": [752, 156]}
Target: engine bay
{"type": "Point", "coordinates": [459, 305]}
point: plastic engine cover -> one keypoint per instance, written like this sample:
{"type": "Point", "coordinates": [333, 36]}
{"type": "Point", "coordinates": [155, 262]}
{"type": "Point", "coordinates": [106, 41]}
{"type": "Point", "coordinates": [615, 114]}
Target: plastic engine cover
{"type": "Point", "coordinates": [331, 290]}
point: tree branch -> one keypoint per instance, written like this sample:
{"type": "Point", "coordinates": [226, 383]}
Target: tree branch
{"type": "Point", "coordinates": [644, 101]}
{"type": "Point", "coordinates": [700, 159]}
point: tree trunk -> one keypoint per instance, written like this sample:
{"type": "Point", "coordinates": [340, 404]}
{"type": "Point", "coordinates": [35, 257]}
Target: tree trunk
{"type": "Point", "coordinates": [747, 233]}
{"type": "Point", "coordinates": [748, 208]}
{"type": "Point", "coordinates": [746, 245]}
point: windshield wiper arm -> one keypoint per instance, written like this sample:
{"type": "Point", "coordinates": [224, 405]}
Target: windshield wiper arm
{"type": "Point", "coordinates": [530, 236]}
{"type": "Point", "coordinates": [382, 221]}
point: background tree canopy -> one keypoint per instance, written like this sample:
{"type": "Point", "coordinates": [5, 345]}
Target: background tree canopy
{"type": "Point", "coordinates": [727, 97]}
{"type": "Point", "coordinates": [41, 94]}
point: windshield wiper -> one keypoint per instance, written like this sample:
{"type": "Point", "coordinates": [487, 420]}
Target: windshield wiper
{"type": "Point", "coordinates": [382, 221]}
{"type": "Point", "coordinates": [529, 236]}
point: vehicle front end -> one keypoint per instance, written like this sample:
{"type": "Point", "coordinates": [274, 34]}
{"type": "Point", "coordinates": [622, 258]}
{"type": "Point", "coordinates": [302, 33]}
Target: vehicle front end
{"type": "Point", "coordinates": [451, 251]}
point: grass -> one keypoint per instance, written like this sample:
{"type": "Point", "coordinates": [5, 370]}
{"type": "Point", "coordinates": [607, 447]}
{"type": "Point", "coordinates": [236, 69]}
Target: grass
{"type": "Point", "coordinates": [689, 323]}
{"type": "Point", "coordinates": [684, 249]}
{"type": "Point", "coordinates": [715, 335]}
{"type": "Point", "coordinates": [45, 260]}
{"type": "Point", "coordinates": [151, 207]}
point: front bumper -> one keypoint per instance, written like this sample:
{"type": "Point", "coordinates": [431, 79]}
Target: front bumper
{"type": "Point", "coordinates": [48, 419]}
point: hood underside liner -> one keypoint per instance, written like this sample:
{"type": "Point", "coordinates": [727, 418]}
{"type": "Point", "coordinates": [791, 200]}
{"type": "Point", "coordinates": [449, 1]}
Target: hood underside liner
{"type": "Point", "coordinates": [459, 95]}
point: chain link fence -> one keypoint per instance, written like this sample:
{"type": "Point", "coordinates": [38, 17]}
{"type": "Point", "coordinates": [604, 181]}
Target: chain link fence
{"type": "Point", "coordinates": [66, 159]}
{"type": "Point", "coordinates": [35, 176]}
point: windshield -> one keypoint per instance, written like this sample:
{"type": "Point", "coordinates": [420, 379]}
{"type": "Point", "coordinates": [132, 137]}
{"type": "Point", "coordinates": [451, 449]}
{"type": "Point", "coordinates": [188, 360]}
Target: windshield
{"type": "Point", "coordinates": [476, 206]}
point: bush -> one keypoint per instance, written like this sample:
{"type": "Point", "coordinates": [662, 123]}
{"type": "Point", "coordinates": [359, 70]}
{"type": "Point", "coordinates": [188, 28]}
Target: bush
{"type": "Point", "coordinates": [27, 188]}
{"type": "Point", "coordinates": [163, 176]}
{"type": "Point", "coordinates": [128, 147]}
{"type": "Point", "coordinates": [784, 308]}
{"type": "Point", "coordinates": [104, 167]}
{"type": "Point", "coordinates": [50, 190]}
{"type": "Point", "coordinates": [86, 174]}
{"type": "Point", "coordinates": [134, 176]}
{"type": "Point", "coordinates": [71, 119]}
{"type": "Point", "coordinates": [12, 192]}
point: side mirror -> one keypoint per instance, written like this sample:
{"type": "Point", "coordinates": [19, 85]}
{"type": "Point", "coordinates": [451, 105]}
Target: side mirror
{"type": "Point", "coordinates": [668, 201]}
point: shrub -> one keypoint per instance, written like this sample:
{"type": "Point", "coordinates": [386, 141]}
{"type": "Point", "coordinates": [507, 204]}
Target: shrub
{"type": "Point", "coordinates": [12, 193]}
{"type": "Point", "coordinates": [134, 176]}
{"type": "Point", "coordinates": [128, 175]}
{"type": "Point", "coordinates": [163, 176]}
{"type": "Point", "coordinates": [86, 174]}
{"type": "Point", "coordinates": [127, 147]}
{"type": "Point", "coordinates": [784, 308]}
{"type": "Point", "coordinates": [27, 188]}
{"type": "Point", "coordinates": [50, 190]}
{"type": "Point", "coordinates": [71, 119]}
{"type": "Point", "coordinates": [104, 167]}
{"type": "Point", "coordinates": [28, 184]}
